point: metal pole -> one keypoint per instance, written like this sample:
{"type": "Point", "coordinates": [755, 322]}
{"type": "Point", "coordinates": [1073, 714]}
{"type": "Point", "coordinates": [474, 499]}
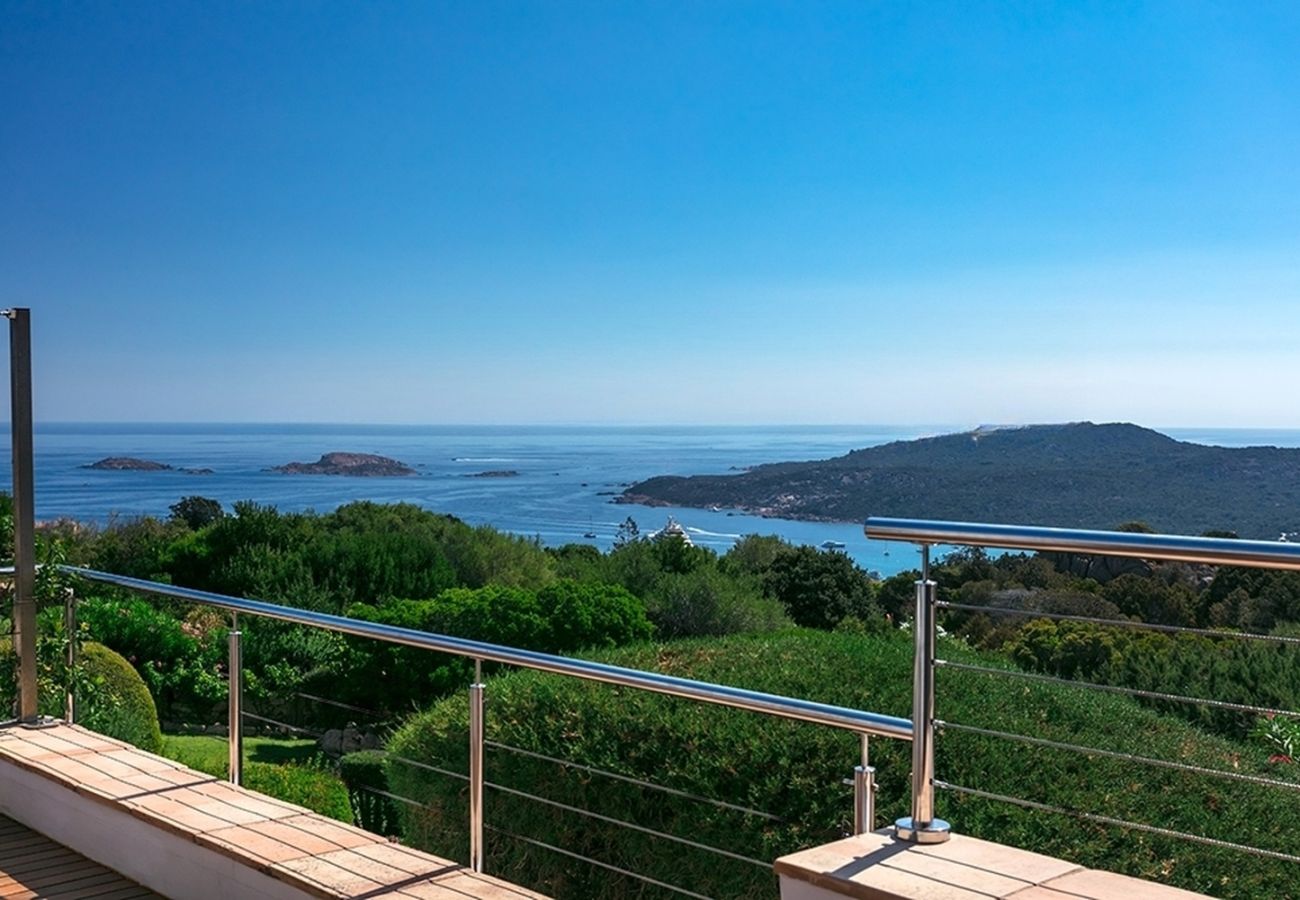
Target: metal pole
{"type": "Point", "coordinates": [922, 827]}
{"type": "Point", "coordinates": [70, 630]}
{"type": "Point", "coordinates": [864, 792]}
{"type": "Point", "coordinates": [20, 418]}
{"type": "Point", "coordinates": [476, 769]}
{"type": "Point", "coordinates": [236, 729]}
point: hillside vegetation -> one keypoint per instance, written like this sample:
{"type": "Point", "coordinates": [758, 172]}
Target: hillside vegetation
{"type": "Point", "coordinates": [1078, 475]}
{"type": "Point", "coordinates": [794, 772]}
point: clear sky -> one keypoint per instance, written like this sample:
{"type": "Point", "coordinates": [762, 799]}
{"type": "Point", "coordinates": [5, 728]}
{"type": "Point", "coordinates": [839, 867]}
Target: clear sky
{"type": "Point", "coordinates": [655, 212]}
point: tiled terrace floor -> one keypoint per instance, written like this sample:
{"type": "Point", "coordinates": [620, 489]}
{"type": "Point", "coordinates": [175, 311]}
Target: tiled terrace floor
{"type": "Point", "coordinates": [32, 865]}
{"type": "Point", "coordinates": [319, 856]}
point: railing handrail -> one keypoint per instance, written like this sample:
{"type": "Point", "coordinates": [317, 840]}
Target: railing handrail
{"type": "Point", "coordinates": [1173, 547]}
{"type": "Point", "coordinates": [858, 721]}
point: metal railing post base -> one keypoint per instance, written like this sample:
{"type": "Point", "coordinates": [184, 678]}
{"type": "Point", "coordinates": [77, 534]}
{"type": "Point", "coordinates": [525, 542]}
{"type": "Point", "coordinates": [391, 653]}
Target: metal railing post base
{"type": "Point", "coordinates": [38, 722]}
{"type": "Point", "coordinates": [936, 831]}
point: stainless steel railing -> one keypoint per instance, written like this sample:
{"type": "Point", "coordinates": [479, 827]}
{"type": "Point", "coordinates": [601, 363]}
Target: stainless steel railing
{"type": "Point", "coordinates": [922, 825]}
{"type": "Point", "coordinates": [865, 724]}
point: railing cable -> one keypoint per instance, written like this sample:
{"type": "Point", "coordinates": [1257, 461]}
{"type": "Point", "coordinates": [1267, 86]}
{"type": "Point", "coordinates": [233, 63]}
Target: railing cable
{"type": "Point", "coordinates": [722, 804]}
{"type": "Point", "coordinates": [1121, 623]}
{"type": "Point", "coordinates": [1115, 689]}
{"type": "Point", "coordinates": [609, 820]}
{"type": "Point", "coordinates": [595, 862]}
{"type": "Point", "coordinates": [1115, 754]}
{"type": "Point", "coordinates": [1120, 823]}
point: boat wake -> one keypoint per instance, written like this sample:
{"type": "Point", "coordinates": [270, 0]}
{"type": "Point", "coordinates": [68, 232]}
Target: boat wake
{"type": "Point", "coordinates": [721, 534]}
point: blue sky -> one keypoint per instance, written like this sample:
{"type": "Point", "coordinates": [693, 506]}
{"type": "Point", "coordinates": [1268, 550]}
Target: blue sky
{"type": "Point", "coordinates": [655, 212]}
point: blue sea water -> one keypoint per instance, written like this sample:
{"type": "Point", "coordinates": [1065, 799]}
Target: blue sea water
{"type": "Point", "coordinates": [567, 475]}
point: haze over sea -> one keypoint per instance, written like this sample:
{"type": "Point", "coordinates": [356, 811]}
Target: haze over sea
{"type": "Point", "coordinates": [567, 475]}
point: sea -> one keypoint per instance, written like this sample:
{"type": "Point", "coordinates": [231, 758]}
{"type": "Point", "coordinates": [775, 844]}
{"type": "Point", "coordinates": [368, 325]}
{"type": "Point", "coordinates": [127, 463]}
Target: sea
{"type": "Point", "coordinates": [567, 476]}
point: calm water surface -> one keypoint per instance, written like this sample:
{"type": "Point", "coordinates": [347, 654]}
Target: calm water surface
{"type": "Point", "coordinates": [567, 475]}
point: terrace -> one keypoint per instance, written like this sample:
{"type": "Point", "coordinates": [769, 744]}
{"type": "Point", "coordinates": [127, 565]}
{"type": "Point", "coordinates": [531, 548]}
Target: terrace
{"type": "Point", "coordinates": [181, 833]}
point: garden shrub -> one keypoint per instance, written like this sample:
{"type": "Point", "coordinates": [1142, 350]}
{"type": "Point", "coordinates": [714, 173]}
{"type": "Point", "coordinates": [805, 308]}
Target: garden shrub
{"type": "Point", "coordinates": [564, 616]}
{"type": "Point", "coordinates": [178, 659]}
{"type": "Point", "coordinates": [706, 601]}
{"type": "Point", "coordinates": [313, 787]}
{"type": "Point", "coordinates": [795, 771]}
{"type": "Point", "coordinates": [112, 698]}
{"type": "Point", "coordinates": [365, 774]}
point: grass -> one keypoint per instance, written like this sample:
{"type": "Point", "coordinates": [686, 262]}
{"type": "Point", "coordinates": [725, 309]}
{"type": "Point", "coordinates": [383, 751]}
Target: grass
{"type": "Point", "coordinates": [289, 769]}
{"type": "Point", "coordinates": [210, 754]}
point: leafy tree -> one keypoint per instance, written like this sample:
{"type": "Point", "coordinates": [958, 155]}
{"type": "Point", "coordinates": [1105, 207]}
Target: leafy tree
{"type": "Point", "coordinates": [705, 601]}
{"type": "Point", "coordinates": [196, 512]}
{"type": "Point", "coordinates": [754, 554]}
{"type": "Point", "coordinates": [818, 589]}
{"type": "Point", "coordinates": [628, 533]}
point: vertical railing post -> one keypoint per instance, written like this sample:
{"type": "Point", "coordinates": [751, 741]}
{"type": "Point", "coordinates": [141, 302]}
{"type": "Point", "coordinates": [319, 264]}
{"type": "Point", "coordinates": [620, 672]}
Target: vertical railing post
{"type": "Point", "coordinates": [921, 826]}
{"type": "Point", "coordinates": [864, 792]}
{"type": "Point", "coordinates": [20, 424]}
{"type": "Point", "coordinates": [70, 631]}
{"type": "Point", "coordinates": [236, 724]}
{"type": "Point", "coordinates": [476, 769]}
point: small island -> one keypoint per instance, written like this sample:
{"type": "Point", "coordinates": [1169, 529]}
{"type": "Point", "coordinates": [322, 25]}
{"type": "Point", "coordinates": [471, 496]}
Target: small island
{"type": "Point", "coordinates": [128, 464]}
{"type": "Point", "coordinates": [366, 465]}
{"type": "Point", "coordinates": [495, 473]}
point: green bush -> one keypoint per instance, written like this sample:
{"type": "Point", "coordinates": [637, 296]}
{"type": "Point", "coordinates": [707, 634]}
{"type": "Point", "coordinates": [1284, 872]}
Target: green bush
{"type": "Point", "coordinates": [563, 616]}
{"type": "Point", "coordinates": [178, 662]}
{"type": "Point", "coordinates": [112, 699]}
{"type": "Point", "coordinates": [707, 601]}
{"type": "Point", "coordinates": [795, 771]}
{"type": "Point", "coordinates": [820, 589]}
{"type": "Point", "coordinates": [314, 787]}
{"type": "Point", "coordinates": [365, 774]}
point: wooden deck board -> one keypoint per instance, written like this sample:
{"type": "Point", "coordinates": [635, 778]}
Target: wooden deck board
{"type": "Point", "coordinates": [32, 865]}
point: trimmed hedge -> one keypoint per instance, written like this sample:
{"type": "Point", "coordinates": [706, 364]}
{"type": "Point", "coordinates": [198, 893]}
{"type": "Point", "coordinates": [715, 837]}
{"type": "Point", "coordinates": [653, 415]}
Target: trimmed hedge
{"type": "Point", "coordinates": [111, 697]}
{"type": "Point", "coordinates": [366, 776]}
{"type": "Point", "coordinates": [113, 700]}
{"type": "Point", "coordinates": [795, 771]}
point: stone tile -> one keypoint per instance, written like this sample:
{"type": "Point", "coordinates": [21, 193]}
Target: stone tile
{"type": "Point", "coordinates": [240, 842]}
{"type": "Point", "coordinates": [338, 834]}
{"type": "Point", "coordinates": [412, 862]}
{"type": "Point", "coordinates": [309, 833]}
{"type": "Point", "coordinates": [1097, 885]}
{"type": "Point", "coordinates": [1012, 862]}
{"type": "Point", "coordinates": [1038, 892]}
{"type": "Point", "coordinates": [185, 817]}
{"type": "Point", "coordinates": [320, 856]}
{"type": "Point", "coordinates": [876, 867]}
{"type": "Point", "coordinates": [343, 875]}
{"type": "Point", "coordinates": [140, 761]}
{"type": "Point", "coordinates": [459, 884]}
{"type": "Point", "coordinates": [258, 804]}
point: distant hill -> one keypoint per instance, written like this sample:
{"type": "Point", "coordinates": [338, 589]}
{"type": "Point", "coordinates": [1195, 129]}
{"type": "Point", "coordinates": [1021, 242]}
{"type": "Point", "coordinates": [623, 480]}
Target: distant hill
{"type": "Point", "coordinates": [1077, 475]}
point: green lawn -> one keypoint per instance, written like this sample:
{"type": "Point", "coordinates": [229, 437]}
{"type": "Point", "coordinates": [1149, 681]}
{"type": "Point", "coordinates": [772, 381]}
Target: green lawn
{"type": "Point", "coordinates": [209, 753]}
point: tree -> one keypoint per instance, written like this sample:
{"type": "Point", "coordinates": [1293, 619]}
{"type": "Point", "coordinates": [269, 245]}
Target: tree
{"type": "Point", "coordinates": [754, 553]}
{"type": "Point", "coordinates": [196, 512]}
{"type": "Point", "coordinates": [628, 533]}
{"type": "Point", "coordinates": [820, 589]}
